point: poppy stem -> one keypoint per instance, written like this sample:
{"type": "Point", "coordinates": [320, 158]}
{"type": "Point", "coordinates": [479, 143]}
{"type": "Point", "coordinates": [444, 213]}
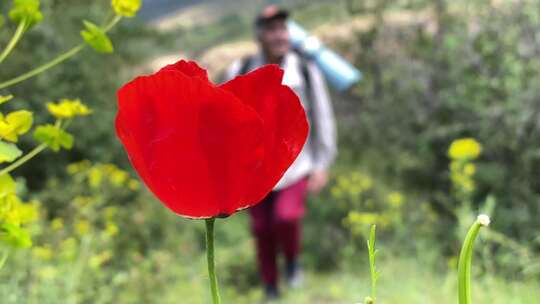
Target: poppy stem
{"type": "Point", "coordinates": [210, 260]}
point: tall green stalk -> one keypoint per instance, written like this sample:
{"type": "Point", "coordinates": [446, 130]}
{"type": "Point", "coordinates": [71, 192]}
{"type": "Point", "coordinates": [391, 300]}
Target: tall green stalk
{"type": "Point", "coordinates": [61, 58]}
{"type": "Point", "coordinates": [14, 40]}
{"type": "Point", "coordinates": [3, 258]}
{"type": "Point", "coordinates": [372, 253]}
{"type": "Point", "coordinates": [210, 260]}
{"type": "Point", "coordinates": [465, 260]}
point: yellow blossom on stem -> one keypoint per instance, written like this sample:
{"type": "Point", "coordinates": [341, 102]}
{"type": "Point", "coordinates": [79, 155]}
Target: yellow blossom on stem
{"type": "Point", "coordinates": [68, 108]}
{"type": "Point", "coordinates": [395, 199]}
{"type": "Point", "coordinates": [15, 124]}
{"type": "Point", "coordinates": [134, 185]}
{"type": "Point", "coordinates": [42, 253]}
{"type": "Point", "coordinates": [82, 227]}
{"type": "Point", "coordinates": [57, 223]}
{"type": "Point", "coordinates": [464, 149]}
{"type": "Point", "coordinates": [126, 8]}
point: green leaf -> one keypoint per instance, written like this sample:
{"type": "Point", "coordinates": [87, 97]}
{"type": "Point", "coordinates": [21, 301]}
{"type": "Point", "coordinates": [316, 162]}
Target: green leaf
{"type": "Point", "coordinates": [4, 99]}
{"type": "Point", "coordinates": [15, 236]}
{"type": "Point", "coordinates": [26, 9]}
{"type": "Point", "coordinates": [96, 38]}
{"type": "Point", "coordinates": [54, 137]}
{"type": "Point", "coordinates": [7, 185]}
{"type": "Point", "coordinates": [8, 152]}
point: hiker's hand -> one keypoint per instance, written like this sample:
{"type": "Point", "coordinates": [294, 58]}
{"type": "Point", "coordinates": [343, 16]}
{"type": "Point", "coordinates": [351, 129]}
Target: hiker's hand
{"type": "Point", "coordinates": [317, 180]}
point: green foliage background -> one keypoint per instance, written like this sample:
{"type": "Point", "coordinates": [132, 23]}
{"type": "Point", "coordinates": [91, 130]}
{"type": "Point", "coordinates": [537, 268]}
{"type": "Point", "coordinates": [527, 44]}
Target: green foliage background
{"type": "Point", "coordinates": [470, 69]}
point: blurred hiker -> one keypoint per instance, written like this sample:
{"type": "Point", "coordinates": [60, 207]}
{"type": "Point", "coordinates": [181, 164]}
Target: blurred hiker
{"type": "Point", "coordinates": [276, 221]}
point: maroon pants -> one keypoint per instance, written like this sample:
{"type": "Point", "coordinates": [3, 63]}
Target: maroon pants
{"type": "Point", "coordinates": [275, 224]}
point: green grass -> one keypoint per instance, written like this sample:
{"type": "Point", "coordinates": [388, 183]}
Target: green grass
{"type": "Point", "coordinates": [403, 282]}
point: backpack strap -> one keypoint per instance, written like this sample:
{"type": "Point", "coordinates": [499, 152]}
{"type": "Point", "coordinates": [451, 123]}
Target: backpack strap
{"type": "Point", "coordinates": [245, 65]}
{"type": "Point", "coordinates": [310, 97]}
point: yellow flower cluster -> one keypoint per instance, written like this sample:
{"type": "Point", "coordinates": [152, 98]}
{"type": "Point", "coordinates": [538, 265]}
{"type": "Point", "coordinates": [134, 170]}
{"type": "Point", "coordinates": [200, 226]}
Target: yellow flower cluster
{"type": "Point", "coordinates": [462, 176]}
{"type": "Point", "coordinates": [97, 260]}
{"type": "Point", "coordinates": [15, 215]}
{"type": "Point", "coordinates": [99, 173]}
{"type": "Point", "coordinates": [366, 203]}
{"type": "Point", "coordinates": [464, 149]}
{"type": "Point", "coordinates": [126, 8]}
{"type": "Point", "coordinates": [68, 108]}
{"type": "Point", "coordinates": [358, 221]}
{"type": "Point", "coordinates": [395, 199]}
{"type": "Point", "coordinates": [15, 124]}
{"type": "Point", "coordinates": [42, 252]}
{"type": "Point", "coordinates": [351, 186]}
{"type": "Point", "coordinates": [462, 169]}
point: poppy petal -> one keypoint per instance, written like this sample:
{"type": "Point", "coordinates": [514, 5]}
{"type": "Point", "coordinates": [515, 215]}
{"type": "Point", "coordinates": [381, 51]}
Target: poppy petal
{"type": "Point", "coordinates": [189, 68]}
{"type": "Point", "coordinates": [285, 123]}
{"type": "Point", "coordinates": [195, 145]}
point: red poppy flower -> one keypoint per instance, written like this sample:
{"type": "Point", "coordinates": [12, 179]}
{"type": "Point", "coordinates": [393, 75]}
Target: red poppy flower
{"type": "Point", "coordinates": [207, 150]}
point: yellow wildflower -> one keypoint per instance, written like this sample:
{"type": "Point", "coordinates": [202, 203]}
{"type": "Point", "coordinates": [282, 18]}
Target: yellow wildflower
{"type": "Point", "coordinates": [57, 223]}
{"type": "Point", "coordinates": [465, 149]}
{"type": "Point", "coordinates": [469, 169]}
{"type": "Point", "coordinates": [68, 108]}
{"type": "Point", "coordinates": [42, 253]}
{"type": "Point", "coordinates": [96, 261]}
{"type": "Point", "coordinates": [82, 227]}
{"type": "Point", "coordinates": [118, 177]}
{"type": "Point", "coordinates": [15, 124]}
{"type": "Point", "coordinates": [134, 185]}
{"type": "Point", "coordinates": [395, 199]}
{"type": "Point", "coordinates": [95, 176]}
{"type": "Point", "coordinates": [47, 273]}
{"type": "Point", "coordinates": [126, 8]}
{"type": "Point", "coordinates": [111, 229]}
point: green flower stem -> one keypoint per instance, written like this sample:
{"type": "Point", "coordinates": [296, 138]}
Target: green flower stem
{"type": "Point", "coordinates": [3, 258]}
{"type": "Point", "coordinates": [210, 260]}
{"type": "Point", "coordinates": [43, 68]}
{"type": "Point", "coordinates": [465, 260]}
{"type": "Point", "coordinates": [372, 268]}
{"type": "Point", "coordinates": [32, 153]}
{"type": "Point", "coordinates": [63, 57]}
{"type": "Point", "coordinates": [23, 159]}
{"type": "Point", "coordinates": [14, 40]}
{"type": "Point", "coordinates": [112, 23]}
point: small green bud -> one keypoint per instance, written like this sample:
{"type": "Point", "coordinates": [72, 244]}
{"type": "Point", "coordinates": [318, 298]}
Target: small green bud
{"type": "Point", "coordinates": [96, 38]}
{"type": "Point", "coordinates": [26, 10]}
